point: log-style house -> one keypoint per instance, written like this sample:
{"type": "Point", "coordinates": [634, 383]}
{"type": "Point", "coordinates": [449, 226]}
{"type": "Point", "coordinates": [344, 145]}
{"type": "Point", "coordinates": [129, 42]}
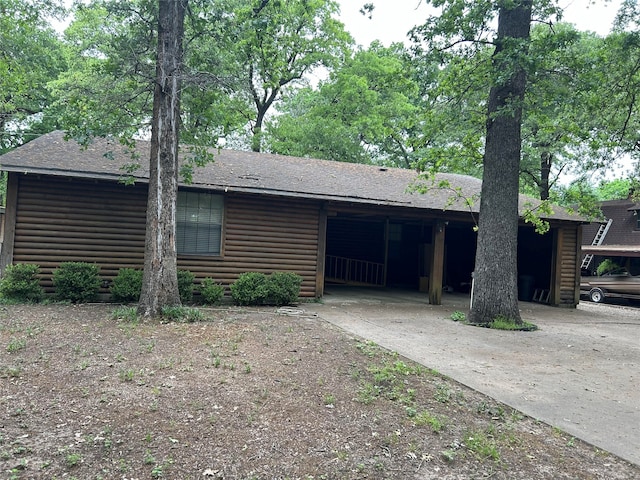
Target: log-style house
{"type": "Point", "coordinates": [330, 222]}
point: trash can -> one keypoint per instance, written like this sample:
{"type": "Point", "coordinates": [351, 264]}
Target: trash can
{"type": "Point", "coordinates": [525, 287]}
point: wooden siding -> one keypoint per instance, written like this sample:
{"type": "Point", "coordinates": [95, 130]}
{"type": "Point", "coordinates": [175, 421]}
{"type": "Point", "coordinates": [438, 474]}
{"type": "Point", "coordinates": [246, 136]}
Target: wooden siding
{"type": "Point", "coordinates": [81, 221]}
{"type": "Point", "coordinates": [264, 236]}
{"type": "Point", "coordinates": [58, 220]}
{"type": "Point", "coordinates": [567, 257]}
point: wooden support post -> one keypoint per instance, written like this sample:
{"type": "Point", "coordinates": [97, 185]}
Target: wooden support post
{"type": "Point", "coordinates": [322, 252]}
{"type": "Point", "coordinates": [436, 273]}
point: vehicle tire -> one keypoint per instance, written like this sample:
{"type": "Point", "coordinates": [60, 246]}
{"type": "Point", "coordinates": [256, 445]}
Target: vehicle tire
{"type": "Point", "coordinates": [596, 295]}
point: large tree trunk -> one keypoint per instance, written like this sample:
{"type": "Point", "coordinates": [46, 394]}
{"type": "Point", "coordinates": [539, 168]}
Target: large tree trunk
{"type": "Point", "coordinates": [495, 292]}
{"type": "Point", "coordinates": [160, 278]}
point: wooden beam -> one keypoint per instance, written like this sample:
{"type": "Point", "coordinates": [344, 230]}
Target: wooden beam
{"type": "Point", "coordinates": [322, 252]}
{"type": "Point", "coordinates": [437, 263]}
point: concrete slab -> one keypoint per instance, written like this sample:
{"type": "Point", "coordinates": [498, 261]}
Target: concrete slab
{"type": "Point", "coordinates": [580, 371]}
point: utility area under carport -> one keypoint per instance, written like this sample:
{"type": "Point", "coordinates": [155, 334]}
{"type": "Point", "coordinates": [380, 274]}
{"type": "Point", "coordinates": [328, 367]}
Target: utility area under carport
{"type": "Point", "coordinates": [398, 253]}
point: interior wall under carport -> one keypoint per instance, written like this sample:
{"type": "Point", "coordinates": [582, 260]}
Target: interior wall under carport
{"type": "Point", "coordinates": [535, 261]}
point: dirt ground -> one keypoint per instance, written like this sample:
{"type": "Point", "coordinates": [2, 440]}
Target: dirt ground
{"type": "Point", "coordinates": [251, 394]}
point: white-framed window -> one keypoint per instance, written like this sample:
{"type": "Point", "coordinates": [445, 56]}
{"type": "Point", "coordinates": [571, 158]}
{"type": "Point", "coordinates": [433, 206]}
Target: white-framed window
{"type": "Point", "coordinates": [199, 223]}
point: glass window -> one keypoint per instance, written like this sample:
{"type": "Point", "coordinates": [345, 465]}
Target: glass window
{"type": "Point", "coordinates": [199, 223]}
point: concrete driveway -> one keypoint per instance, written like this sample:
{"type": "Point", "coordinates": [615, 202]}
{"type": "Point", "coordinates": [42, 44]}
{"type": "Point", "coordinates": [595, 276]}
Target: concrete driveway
{"type": "Point", "coordinates": [580, 371]}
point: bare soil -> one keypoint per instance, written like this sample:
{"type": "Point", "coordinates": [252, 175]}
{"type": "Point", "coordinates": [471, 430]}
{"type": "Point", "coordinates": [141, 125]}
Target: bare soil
{"type": "Point", "coordinates": [251, 394]}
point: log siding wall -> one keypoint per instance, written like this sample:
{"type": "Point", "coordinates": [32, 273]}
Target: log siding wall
{"type": "Point", "coordinates": [59, 220]}
{"type": "Point", "coordinates": [566, 278]}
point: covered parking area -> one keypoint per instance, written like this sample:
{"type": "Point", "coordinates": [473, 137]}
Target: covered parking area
{"type": "Point", "coordinates": [425, 253]}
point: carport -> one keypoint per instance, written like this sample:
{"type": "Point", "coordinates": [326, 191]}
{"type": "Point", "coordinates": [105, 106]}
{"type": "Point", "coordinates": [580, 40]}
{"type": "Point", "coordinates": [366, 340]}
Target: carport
{"type": "Point", "coordinates": [398, 251]}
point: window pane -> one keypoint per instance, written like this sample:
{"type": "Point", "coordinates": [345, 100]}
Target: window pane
{"type": "Point", "coordinates": [199, 223]}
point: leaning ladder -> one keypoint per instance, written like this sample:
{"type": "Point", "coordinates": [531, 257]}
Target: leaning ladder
{"type": "Point", "coordinates": [597, 240]}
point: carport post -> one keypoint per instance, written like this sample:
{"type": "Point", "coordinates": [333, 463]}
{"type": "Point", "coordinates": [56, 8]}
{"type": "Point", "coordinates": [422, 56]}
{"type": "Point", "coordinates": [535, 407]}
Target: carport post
{"type": "Point", "coordinates": [437, 263]}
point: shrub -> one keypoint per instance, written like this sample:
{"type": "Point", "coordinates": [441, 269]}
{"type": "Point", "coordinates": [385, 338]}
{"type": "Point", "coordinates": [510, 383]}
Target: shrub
{"type": "Point", "coordinates": [185, 285]}
{"type": "Point", "coordinates": [211, 292]}
{"type": "Point", "coordinates": [283, 288]}
{"type": "Point", "coordinates": [76, 281]}
{"type": "Point", "coordinates": [279, 288]}
{"type": "Point", "coordinates": [249, 289]}
{"type": "Point", "coordinates": [608, 266]}
{"type": "Point", "coordinates": [127, 285]}
{"type": "Point", "coordinates": [20, 283]}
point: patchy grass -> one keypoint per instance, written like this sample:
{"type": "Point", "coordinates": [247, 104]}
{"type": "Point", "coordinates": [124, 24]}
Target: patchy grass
{"type": "Point", "coordinates": [245, 393]}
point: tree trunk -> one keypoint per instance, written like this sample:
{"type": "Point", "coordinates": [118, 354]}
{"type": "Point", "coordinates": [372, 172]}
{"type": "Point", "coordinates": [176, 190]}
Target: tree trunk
{"type": "Point", "coordinates": [160, 278]}
{"type": "Point", "coordinates": [495, 292]}
{"type": "Point", "coordinates": [546, 158]}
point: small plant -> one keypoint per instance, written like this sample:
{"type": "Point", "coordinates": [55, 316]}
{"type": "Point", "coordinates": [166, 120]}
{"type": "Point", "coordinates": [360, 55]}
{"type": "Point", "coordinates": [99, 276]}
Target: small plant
{"type": "Point", "coordinates": [482, 445]}
{"type": "Point", "coordinates": [504, 323]}
{"type": "Point", "coordinates": [608, 266]}
{"type": "Point", "coordinates": [126, 314]}
{"type": "Point", "coordinates": [458, 316]}
{"type": "Point", "coordinates": [76, 282]}
{"type": "Point", "coordinates": [427, 418]}
{"type": "Point", "coordinates": [20, 283]}
{"type": "Point", "coordinates": [16, 344]}
{"type": "Point", "coordinates": [329, 400]}
{"type": "Point", "coordinates": [211, 292]}
{"type": "Point", "coordinates": [182, 314]}
{"type": "Point", "coordinates": [185, 285]}
{"type": "Point", "coordinates": [254, 288]}
{"type": "Point", "coordinates": [283, 288]}
{"type": "Point", "coordinates": [250, 289]}
{"type": "Point", "coordinates": [127, 285]}
{"type": "Point", "coordinates": [127, 375]}
{"type": "Point", "coordinates": [73, 459]}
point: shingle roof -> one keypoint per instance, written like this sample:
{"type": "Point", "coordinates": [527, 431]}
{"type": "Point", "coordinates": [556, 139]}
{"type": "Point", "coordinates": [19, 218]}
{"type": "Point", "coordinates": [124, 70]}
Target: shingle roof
{"type": "Point", "coordinates": [260, 173]}
{"type": "Point", "coordinates": [623, 230]}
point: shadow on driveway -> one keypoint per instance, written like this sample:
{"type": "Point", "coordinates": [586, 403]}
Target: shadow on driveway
{"type": "Point", "coordinates": [580, 371]}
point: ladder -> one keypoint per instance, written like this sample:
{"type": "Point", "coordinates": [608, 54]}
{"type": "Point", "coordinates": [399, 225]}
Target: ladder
{"type": "Point", "coordinates": [597, 240]}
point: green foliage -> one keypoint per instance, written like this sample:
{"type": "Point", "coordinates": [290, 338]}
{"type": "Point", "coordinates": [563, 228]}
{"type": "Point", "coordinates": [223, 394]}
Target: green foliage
{"type": "Point", "coordinates": [182, 314]}
{"type": "Point", "coordinates": [185, 285]}
{"type": "Point", "coordinates": [366, 112]}
{"type": "Point", "coordinates": [617, 189]}
{"type": "Point", "coordinates": [20, 283]}
{"type": "Point", "coordinates": [76, 281]}
{"type": "Point", "coordinates": [283, 288]}
{"type": "Point", "coordinates": [608, 266]}
{"type": "Point", "coordinates": [250, 289]}
{"type": "Point", "coordinates": [211, 292]}
{"type": "Point", "coordinates": [254, 288]}
{"type": "Point", "coordinates": [127, 285]}
{"type": "Point", "coordinates": [503, 323]}
{"type": "Point", "coordinates": [458, 316]}
{"type": "Point", "coordinates": [32, 55]}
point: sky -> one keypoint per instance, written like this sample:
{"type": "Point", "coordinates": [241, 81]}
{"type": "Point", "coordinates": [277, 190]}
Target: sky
{"type": "Point", "coordinates": [392, 19]}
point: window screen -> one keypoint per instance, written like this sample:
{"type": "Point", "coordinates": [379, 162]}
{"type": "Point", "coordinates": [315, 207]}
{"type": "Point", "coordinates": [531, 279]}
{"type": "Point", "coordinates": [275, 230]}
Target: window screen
{"type": "Point", "coordinates": [199, 224]}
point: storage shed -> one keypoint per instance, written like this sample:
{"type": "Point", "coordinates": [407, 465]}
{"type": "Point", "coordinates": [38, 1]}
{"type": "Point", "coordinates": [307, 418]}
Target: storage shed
{"type": "Point", "coordinates": [330, 222]}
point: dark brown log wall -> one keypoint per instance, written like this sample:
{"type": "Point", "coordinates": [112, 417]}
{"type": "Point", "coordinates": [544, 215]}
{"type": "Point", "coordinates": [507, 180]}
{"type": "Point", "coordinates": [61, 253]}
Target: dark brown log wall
{"type": "Point", "coordinates": [60, 220]}
{"type": "Point", "coordinates": [566, 286]}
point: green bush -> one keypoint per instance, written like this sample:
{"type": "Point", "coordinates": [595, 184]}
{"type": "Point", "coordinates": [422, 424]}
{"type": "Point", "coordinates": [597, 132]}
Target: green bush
{"type": "Point", "coordinates": [249, 289]}
{"type": "Point", "coordinates": [608, 266]}
{"type": "Point", "coordinates": [76, 281]}
{"type": "Point", "coordinates": [185, 285]}
{"type": "Point", "coordinates": [20, 283]}
{"type": "Point", "coordinates": [279, 288]}
{"type": "Point", "coordinates": [127, 285]}
{"type": "Point", "coordinates": [283, 288]}
{"type": "Point", "coordinates": [211, 292]}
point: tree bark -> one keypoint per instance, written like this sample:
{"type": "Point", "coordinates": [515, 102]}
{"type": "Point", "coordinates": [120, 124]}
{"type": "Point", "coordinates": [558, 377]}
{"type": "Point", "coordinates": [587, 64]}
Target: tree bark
{"type": "Point", "coordinates": [495, 292]}
{"type": "Point", "coordinates": [160, 277]}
